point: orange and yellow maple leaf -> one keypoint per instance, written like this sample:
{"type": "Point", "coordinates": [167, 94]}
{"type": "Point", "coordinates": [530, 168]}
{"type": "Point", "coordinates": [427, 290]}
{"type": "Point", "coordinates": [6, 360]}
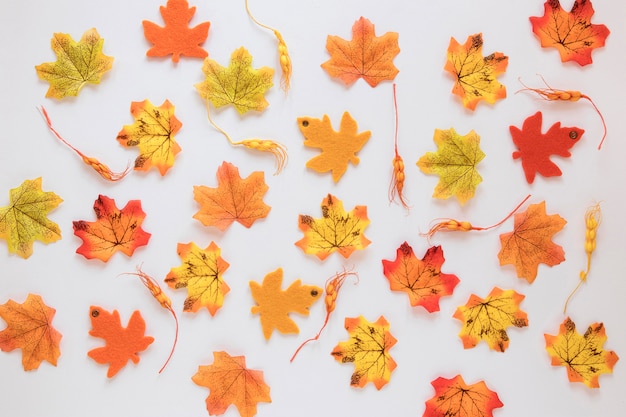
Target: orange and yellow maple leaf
{"type": "Point", "coordinates": [454, 398]}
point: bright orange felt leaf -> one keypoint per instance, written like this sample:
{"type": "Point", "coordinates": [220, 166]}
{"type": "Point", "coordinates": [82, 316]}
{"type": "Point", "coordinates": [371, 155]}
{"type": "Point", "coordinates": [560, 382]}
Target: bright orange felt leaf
{"type": "Point", "coordinates": [176, 37]}
{"type": "Point", "coordinates": [234, 199]}
{"type": "Point", "coordinates": [582, 355]}
{"type": "Point", "coordinates": [230, 382]}
{"type": "Point", "coordinates": [366, 56]}
{"type": "Point", "coordinates": [114, 230]}
{"type": "Point", "coordinates": [572, 34]}
{"type": "Point", "coordinates": [337, 230]}
{"type": "Point", "coordinates": [475, 75]}
{"type": "Point", "coordinates": [274, 304]}
{"type": "Point", "coordinates": [153, 133]}
{"type": "Point", "coordinates": [368, 348]}
{"type": "Point", "coordinates": [338, 148]}
{"type": "Point", "coordinates": [453, 398]}
{"type": "Point", "coordinates": [422, 280]}
{"type": "Point", "coordinates": [29, 327]}
{"type": "Point", "coordinates": [201, 273]}
{"type": "Point", "coordinates": [488, 318]}
{"type": "Point", "coordinates": [122, 344]}
{"type": "Point", "coordinates": [530, 242]}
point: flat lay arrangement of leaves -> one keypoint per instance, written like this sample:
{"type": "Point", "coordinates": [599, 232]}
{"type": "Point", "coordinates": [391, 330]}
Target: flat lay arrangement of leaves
{"type": "Point", "coordinates": [235, 252]}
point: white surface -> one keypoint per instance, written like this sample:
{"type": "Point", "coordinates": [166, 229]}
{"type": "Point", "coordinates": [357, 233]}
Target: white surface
{"type": "Point", "coordinates": [315, 384]}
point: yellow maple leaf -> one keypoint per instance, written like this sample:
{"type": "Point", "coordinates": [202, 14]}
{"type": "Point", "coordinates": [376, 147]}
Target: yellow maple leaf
{"type": "Point", "coordinates": [238, 84]}
{"type": "Point", "coordinates": [77, 64]}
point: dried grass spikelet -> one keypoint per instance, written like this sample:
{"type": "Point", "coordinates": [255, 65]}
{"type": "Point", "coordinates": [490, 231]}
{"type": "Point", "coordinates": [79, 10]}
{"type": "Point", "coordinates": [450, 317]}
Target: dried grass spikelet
{"type": "Point", "coordinates": [396, 187]}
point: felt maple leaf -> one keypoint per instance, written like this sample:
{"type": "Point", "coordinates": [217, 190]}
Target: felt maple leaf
{"type": "Point", "coordinates": [572, 34]}
{"type": "Point", "coordinates": [475, 75]}
{"type": "Point", "coordinates": [535, 148]}
{"type": "Point", "coordinates": [201, 273]}
{"type": "Point", "coordinates": [421, 279]}
{"type": "Point", "coordinates": [25, 220]}
{"type": "Point", "coordinates": [582, 355]}
{"type": "Point", "coordinates": [114, 230]}
{"type": "Point", "coordinates": [176, 38]}
{"type": "Point", "coordinates": [487, 319]}
{"type": "Point", "coordinates": [29, 328]}
{"type": "Point", "coordinates": [238, 84]}
{"type": "Point", "coordinates": [336, 231]}
{"type": "Point", "coordinates": [530, 242]}
{"type": "Point", "coordinates": [122, 343]}
{"type": "Point", "coordinates": [455, 162]}
{"type": "Point", "coordinates": [366, 56]}
{"type": "Point", "coordinates": [368, 348]}
{"type": "Point", "coordinates": [234, 199]}
{"type": "Point", "coordinates": [77, 64]}
{"type": "Point", "coordinates": [231, 382]}
{"type": "Point", "coordinates": [274, 304]}
{"type": "Point", "coordinates": [454, 398]}
{"type": "Point", "coordinates": [153, 133]}
{"type": "Point", "coordinates": [338, 148]}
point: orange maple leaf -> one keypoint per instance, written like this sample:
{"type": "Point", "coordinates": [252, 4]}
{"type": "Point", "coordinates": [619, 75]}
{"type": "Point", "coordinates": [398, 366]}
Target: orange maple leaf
{"type": "Point", "coordinates": [114, 230]}
{"type": "Point", "coordinates": [572, 34]}
{"type": "Point", "coordinates": [234, 199]}
{"type": "Point", "coordinates": [366, 56]}
{"type": "Point", "coordinates": [338, 148]}
{"type": "Point", "coordinates": [453, 398]}
{"type": "Point", "coordinates": [122, 344]}
{"type": "Point", "coordinates": [230, 382]}
{"type": "Point", "coordinates": [274, 304]}
{"type": "Point", "coordinates": [29, 327]}
{"type": "Point", "coordinates": [176, 38]}
{"type": "Point", "coordinates": [422, 280]}
{"type": "Point", "coordinates": [530, 244]}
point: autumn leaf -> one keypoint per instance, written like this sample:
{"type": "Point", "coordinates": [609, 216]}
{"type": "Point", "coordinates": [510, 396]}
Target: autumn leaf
{"type": "Point", "coordinates": [114, 230]}
{"type": "Point", "coordinates": [230, 382]}
{"type": "Point", "coordinates": [25, 220]}
{"type": "Point", "coordinates": [366, 56]}
{"type": "Point", "coordinates": [338, 148]}
{"type": "Point", "coordinates": [582, 355]}
{"type": "Point", "coordinates": [336, 231]}
{"type": "Point", "coordinates": [29, 327]}
{"type": "Point", "coordinates": [201, 273]}
{"type": "Point", "coordinates": [238, 84]}
{"type": "Point", "coordinates": [454, 398]}
{"type": "Point", "coordinates": [176, 38]}
{"type": "Point", "coordinates": [475, 75]}
{"type": "Point", "coordinates": [368, 348]}
{"type": "Point", "coordinates": [530, 242]}
{"type": "Point", "coordinates": [122, 343]}
{"type": "Point", "coordinates": [77, 64]}
{"type": "Point", "coordinates": [234, 199]}
{"type": "Point", "coordinates": [572, 34]}
{"type": "Point", "coordinates": [153, 133]}
{"type": "Point", "coordinates": [274, 304]}
{"type": "Point", "coordinates": [455, 162]}
{"type": "Point", "coordinates": [487, 319]}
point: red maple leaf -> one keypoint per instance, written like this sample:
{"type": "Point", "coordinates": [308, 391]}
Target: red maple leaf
{"type": "Point", "coordinates": [454, 398]}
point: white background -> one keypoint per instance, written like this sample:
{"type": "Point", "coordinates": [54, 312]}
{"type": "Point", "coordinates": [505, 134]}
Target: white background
{"type": "Point", "coordinates": [315, 384]}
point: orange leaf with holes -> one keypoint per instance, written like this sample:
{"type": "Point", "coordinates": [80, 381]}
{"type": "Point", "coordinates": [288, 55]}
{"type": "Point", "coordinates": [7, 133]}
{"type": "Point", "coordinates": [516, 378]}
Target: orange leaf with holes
{"type": "Point", "coordinates": [201, 273]}
{"type": "Point", "coordinates": [234, 199]}
{"type": "Point", "coordinates": [582, 355]}
{"type": "Point", "coordinates": [122, 343]}
{"type": "Point", "coordinates": [422, 280]}
{"type": "Point", "coordinates": [475, 75]}
{"type": "Point", "coordinates": [176, 38]}
{"type": "Point", "coordinates": [114, 230]}
{"type": "Point", "coordinates": [366, 56]}
{"type": "Point", "coordinates": [231, 382]}
{"type": "Point", "coordinates": [530, 242]}
{"type": "Point", "coordinates": [454, 398]}
{"type": "Point", "coordinates": [29, 328]}
{"type": "Point", "coordinates": [572, 34]}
